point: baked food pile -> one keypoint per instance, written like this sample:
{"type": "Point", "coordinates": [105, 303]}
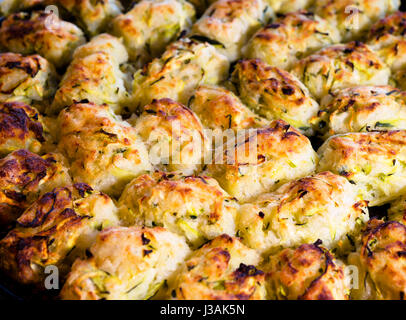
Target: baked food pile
{"type": "Point", "coordinates": [95, 180]}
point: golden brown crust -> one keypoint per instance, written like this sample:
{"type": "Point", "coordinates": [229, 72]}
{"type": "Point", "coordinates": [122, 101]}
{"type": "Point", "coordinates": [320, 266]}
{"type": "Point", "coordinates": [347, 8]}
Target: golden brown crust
{"type": "Point", "coordinates": [27, 33]}
{"type": "Point", "coordinates": [230, 23]}
{"type": "Point", "coordinates": [354, 17]}
{"type": "Point", "coordinates": [374, 162]}
{"type": "Point", "coordinates": [323, 206]}
{"type": "Point", "coordinates": [104, 151]}
{"type": "Point", "coordinates": [381, 261]}
{"type": "Point", "coordinates": [341, 66]}
{"type": "Point", "coordinates": [363, 108]}
{"type": "Point", "coordinates": [31, 77]}
{"type": "Point", "coordinates": [24, 176]}
{"type": "Point", "coordinates": [223, 269]}
{"type": "Point", "coordinates": [94, 75]}
{"type": "Point", "coordinates": [291, 37]}
{"type": "Point", "coordinates": [50, 229]}
{"type": "Point", "coordinates": [184, 66]}
{"type": "Point", "coordinates": [220, 109]}
{"type": "Point", "coordinates": [263, 159]}
{"type": "Point", "coordinates": [387, 38]}
{"type": "Point", "coordinates": [21, 127]}
{"type": "Point", "coordinates": [274, 94]}
{"type": "Point", "coordinates": [150, 26]}
{"type": "Point", "coordinates": [309, 272]}
{"type": "Point", "coordinates": [173, 134]}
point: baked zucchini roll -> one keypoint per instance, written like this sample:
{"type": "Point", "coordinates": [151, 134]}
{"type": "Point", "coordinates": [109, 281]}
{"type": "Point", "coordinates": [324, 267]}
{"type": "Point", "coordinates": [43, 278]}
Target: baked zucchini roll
{"type": "Point", "coordinates": [341, 66]}
{"type": "Point", "coordinates": [94, 75]}
{"type": "Point", "coordinates": [93, 16]}
{"type": "Point", "coordinates": [151, 25]}
{"type": "Point", "coordinates": [354, 17]}
{"type": "Point", "coordinates": [324, 206]}
{"type": "Point", "coordinates": [380, 258]}
{"type": "Point", "coordinates": [184, 66]}
{"type": "Point", "coordinates": [309, 272]}
{"type": "Point", "coordinates": [24, 177]}
{"type": "Point", "coordinates": [174, 136]}
{"type": "Point", "coordinates": [103, 150]}
{"type": "Point", "coordinates": [194, 207]}
{"type": "Point", "coordinates": [275, 94]}
{"type": "Point", "coordinates": [290, 38]}
{"type": "Point", "coordinates": [286, 6]}
{"type": "Point", "coordinates": [125, 264]}
{"type": "Point", "coordinates": [260, 160]}
{"type": "Point", "coordinates": [21, 127]}
{"type": "Point", "coordinates": [55, 229]}
{"type": "Point", "coordinates": [30, 78]}
{"type": "Point", "coordinates": [220, 109]}
{"type": "Point", "coordinates": [223, 269]}
{"type": "Point", "coordinates": [228, 24]}
{"type": "Point", "coordinates": [43, 33]}
{"type": "Point", "coordinates": [364, 108]}
{"type": "Point", "coordinates": [374, 162]}
{"type": "Point", "coordinates": [387, 37]}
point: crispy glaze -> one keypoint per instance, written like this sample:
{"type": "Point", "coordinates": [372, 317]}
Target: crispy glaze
{"type": "Point", "coordinates": [25, 176]}
{"type": "Point", "coordinates": [192, 206]}
{"type": "Point", "coordinates": [363, 108]}
{"type": "Point", "coordinates": [380, 259]}
{"type": "Point", "coordinates": [262, 159]}
{"type": "Point", "coordinates": [125, 264]}
{"type": "Point", "coordinates": [309, 272]}
{"type": "Point", "coordinates": [354, 17]}
{"type": "Point", "coordinates": [151, 25]}
{"type": "Point", "coordinates": [275, 94]}
{"type": "Point", "coordinates": [324, 206]}
{"type": "Point", "coordinates": [230, 23]}
{"type": "Point", "coordinates": [174, 136]}
{"type": "Point", "coordinates": [27, 33]}
{"type": "Point", "coordinates": [374, 162]}
{"type": "Point", "coordinates": [21, 127]}
{"type": "Point", "coordinates": [103, 150]}
{"type": "Point", "coordinates": [291, 37]}
{"type": "Point", "coordinates": [94, 75]}
{"type": "Point", "coordinates": [58, 226]}
{"type": "Point", "coordinates": [223, 269]}
{"type": "Point", "coordinates": [30, 78]}
{"type": "Point", "coordinates": [341, 66]}
{"type": "Point", "coordinates": [184, 66]}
